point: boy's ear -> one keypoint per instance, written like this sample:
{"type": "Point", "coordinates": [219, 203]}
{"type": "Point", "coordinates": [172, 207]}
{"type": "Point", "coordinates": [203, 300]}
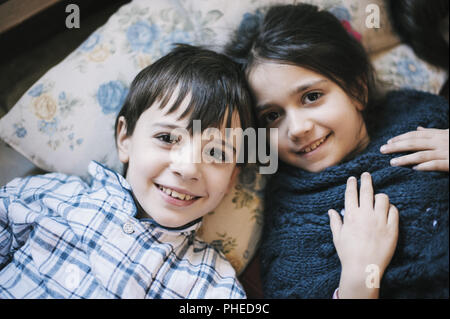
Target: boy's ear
{"type": "Point", "coordinates": [234, 175]}
{"type": "Point", "coordinates": [122, 140]}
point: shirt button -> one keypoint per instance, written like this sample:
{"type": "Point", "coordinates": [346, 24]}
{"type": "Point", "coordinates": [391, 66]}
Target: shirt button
{"type": "Point", "coordinates": [128, 228]}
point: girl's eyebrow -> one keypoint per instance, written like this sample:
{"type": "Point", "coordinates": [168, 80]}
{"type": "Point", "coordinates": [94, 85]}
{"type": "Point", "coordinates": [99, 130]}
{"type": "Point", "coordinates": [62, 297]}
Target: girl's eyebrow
{"type": "Point", "coordinates": [306, 86]}
{"type": "Point", "coordinates": [297, 90]}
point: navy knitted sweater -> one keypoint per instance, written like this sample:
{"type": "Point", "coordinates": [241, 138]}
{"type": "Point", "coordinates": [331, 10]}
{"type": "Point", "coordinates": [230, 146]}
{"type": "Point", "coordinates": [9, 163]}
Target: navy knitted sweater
{"type": "Point", "coordinates": [298, 258]}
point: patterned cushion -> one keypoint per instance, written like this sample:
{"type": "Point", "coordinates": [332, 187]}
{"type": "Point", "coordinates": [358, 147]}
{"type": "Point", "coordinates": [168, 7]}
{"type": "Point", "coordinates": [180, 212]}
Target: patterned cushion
{"type": "Point", "coordinates": [66, 118]}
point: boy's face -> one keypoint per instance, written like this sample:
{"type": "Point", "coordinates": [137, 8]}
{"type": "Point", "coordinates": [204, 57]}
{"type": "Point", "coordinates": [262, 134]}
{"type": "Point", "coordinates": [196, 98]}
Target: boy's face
{"type": "Point", "coordinates": [172, 188]}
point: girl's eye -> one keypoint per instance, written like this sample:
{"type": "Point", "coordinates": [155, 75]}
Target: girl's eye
{"type": "Point", "coordinates": [312, 97]}
{"type": "Point", "coordinates": [168, 138]}
{"type": "Point", "coordinates": [270, 117]}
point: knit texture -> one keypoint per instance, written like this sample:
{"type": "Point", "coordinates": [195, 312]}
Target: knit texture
{"type": "Point", "coordinates": [298, 258]}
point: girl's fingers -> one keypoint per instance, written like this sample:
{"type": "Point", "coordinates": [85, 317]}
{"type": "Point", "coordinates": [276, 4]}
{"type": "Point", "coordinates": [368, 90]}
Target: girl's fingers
{"type": "Point", "coordinates": [382, 204]}
{"type": "Point", "coordinates": [366, 191]}
{"type": "Point", "coordinates": [420, 133]}
{"type": "Point", "coordinates": [392, 218]}
{"type": "Point", "coordinates": [416, 158]}
{"type": "Point", "coordinates": [407, 145]}
{"type": "Point", "coordinates": [435, 165]}
{"type": "Point", "coordinates": [351, 195]}
{"type": "Point", "coordinates": [335, 223]}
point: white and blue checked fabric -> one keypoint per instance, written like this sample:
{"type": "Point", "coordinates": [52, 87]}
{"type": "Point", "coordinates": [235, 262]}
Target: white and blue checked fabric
{"type": "Point", "coordinates": [61, 237]}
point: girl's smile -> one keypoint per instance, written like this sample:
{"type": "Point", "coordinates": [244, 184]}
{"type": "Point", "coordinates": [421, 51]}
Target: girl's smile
{"type": "Point", "coordinates": [318, 123]}
{"type": "Point", "coordinates": [312, 148]}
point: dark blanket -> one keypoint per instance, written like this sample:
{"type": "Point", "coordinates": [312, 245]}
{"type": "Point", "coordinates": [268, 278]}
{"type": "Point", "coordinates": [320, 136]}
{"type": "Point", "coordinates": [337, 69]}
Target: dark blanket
{"type": "Point", "coordinates": [298, 258]}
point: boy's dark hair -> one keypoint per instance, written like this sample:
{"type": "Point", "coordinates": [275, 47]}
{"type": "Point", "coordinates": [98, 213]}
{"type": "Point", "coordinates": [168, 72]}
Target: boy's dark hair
{"type": "Point", "coordinates": [216, 85]}
{"type": "Point", "coordinates": [304, 36]}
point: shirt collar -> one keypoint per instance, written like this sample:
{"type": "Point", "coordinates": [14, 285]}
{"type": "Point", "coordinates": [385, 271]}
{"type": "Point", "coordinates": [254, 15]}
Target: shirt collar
{"type": "Point", "coordinates": [106, 176]}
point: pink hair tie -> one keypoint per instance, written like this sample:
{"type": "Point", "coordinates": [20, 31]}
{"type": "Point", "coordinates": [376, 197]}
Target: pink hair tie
{"type": "Point", "coordinates": [350, 30]}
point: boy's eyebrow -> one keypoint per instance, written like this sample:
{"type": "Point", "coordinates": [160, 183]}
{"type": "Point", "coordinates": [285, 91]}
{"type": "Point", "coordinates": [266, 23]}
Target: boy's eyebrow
{"type": "Point", "coordinates": [296, 90]}
{"type": "Point", "coordinates": [229, 146]}
{"type": "Point", "coordinates": [173, 126]}
{"type": "Point", "coordinates": [224, 142]}
{"type": "Point", "coordinates": [167, 125]}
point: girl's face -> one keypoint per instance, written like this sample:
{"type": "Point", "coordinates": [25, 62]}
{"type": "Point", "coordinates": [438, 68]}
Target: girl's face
{"type": "Point", "coordinates": [318, 123]}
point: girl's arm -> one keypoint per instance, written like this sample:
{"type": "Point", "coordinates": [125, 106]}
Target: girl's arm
{"type": "Point", "coordinates": [431, 146]}
{"type": "Point", "coordinates": [365, 240]}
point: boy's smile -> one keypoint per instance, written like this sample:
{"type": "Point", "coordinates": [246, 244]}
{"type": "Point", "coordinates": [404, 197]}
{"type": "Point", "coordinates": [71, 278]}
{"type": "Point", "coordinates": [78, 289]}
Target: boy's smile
{"type": "Point", "coordinates": [177, 196]}
{"type": "Point", "coordinates": [170, 187]}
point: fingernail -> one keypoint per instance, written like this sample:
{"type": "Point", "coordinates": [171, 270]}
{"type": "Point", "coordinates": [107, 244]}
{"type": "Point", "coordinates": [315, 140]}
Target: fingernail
{"type": "Point", "coordinates": [389, 142]}
{"type": "Point", "coordinates": [394, 162]}
{"type": "Point", "coordinates": [415, 167]}
{"type": "Point", "coordinates": [383, 148]}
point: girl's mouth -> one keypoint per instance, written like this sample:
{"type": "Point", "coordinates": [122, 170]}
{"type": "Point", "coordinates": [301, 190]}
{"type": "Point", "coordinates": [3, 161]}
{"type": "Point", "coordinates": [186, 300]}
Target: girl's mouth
{"type": "Point", "coordinates": [313, 148]}
{"type": "Point", "coordinates": [176, 198]}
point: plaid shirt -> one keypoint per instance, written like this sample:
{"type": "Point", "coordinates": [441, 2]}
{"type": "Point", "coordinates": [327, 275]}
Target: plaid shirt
{"type": "Point", "coordinates": [63, 238]}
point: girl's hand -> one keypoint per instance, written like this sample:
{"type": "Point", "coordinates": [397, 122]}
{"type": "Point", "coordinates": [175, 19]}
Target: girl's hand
{"type": "Point", "coordinates": [366, 239]}
{"type": "Point", "coordinates": [431, 146]}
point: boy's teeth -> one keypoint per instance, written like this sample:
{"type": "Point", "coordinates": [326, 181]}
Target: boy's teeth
{"type": "Point", "coordinates": [175, 194]}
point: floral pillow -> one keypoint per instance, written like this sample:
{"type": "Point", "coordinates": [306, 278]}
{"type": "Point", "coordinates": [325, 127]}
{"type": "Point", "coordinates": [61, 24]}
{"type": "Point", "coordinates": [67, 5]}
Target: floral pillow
{"type": "Point", "coordinates": [66, 119]}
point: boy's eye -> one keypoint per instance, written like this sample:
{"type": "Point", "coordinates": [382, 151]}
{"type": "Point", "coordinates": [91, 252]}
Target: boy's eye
{"type": "Point", "coordinates": [217, 154]}
{"type": "Point", "coordinates": [312, 97]}
{"type": "Point", "coordinates": [168, 138]}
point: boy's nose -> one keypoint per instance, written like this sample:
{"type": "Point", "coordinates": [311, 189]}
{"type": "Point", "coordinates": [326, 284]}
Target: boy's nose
{"type": "Point", "coordinates": [187, 172]}
{"type": "Point", "coordinates": [183, 163]}
{"type": "Point", "coordinates": [298, 126]}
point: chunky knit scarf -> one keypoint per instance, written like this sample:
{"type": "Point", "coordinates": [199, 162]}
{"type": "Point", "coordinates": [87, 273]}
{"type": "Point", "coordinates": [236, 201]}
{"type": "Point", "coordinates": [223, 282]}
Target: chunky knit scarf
{"type": "Point", "coordinates": [298, 258]}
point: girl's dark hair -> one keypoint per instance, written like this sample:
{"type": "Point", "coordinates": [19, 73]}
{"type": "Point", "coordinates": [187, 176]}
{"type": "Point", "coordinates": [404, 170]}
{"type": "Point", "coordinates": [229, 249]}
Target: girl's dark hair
{"type": "Point", "coordinates": [420, 23]}
{"type": "Point", "coordinates": [214, 83]}
{"type": "Point", "coordinates": [304, 36]}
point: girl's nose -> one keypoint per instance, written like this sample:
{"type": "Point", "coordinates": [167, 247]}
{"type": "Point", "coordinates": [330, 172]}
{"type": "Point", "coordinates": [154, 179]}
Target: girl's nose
{"type": "Point", "coordinates": [299, 125]}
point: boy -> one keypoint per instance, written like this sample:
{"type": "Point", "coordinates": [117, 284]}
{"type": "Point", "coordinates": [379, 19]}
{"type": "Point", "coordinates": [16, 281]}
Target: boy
{"type": "Point", "coordinates": [134, 237]}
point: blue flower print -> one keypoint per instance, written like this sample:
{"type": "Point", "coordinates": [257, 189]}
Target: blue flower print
{"type": "Point", "coordinates": [341, 13]}
{"type": "Point", "coordinates": [47, 127]}
{"type": "Point", "coordinates": [37, 90]}
{"type": "Point", "coordinates": [412, 71]}
{"type": "Point", "coordinates": [250, 22]}
{"type": "Point", "coordinates": [141, 35]}
{"type": "Point", "coordinates": [177, 36]}
{"type": "Point", "coordinates": [111, 96]}
{"type": "Point", "coordinates": [91, 42]}
{"type": "Point", "coordinates": [21, 132]}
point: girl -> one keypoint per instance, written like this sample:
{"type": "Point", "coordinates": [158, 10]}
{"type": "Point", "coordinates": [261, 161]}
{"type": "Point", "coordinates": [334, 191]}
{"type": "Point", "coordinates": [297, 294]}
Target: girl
{"type": "Point", "coordinates": [314, 82]}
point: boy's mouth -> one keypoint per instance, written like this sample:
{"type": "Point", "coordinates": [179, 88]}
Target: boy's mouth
{"type": "Point", "coordinates": [177, 197]}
